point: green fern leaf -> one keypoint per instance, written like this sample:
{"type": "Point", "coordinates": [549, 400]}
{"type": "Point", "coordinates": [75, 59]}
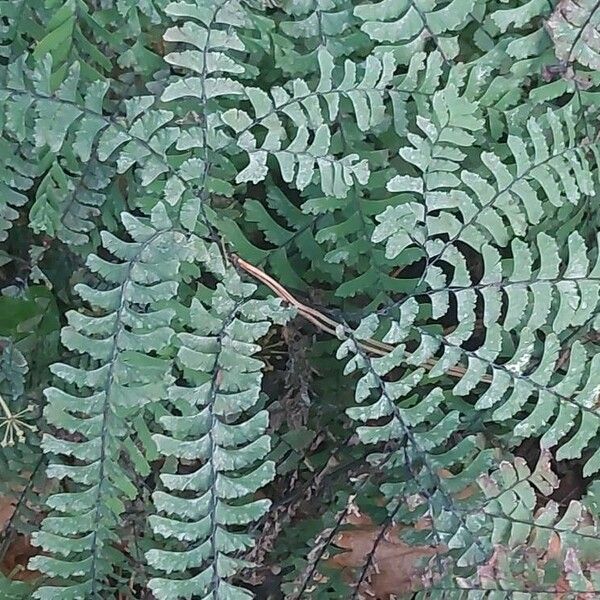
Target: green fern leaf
{"type": "Point", "coordinates": [409, 23]}
{"type": "Point", "coordinates": [228, 446]}
{"type": "Point", "coordinates": [130, 321]}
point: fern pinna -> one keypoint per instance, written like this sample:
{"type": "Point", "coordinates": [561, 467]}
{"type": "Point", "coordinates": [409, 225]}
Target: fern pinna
{"type": "Point", "coordinates": [321, 270]}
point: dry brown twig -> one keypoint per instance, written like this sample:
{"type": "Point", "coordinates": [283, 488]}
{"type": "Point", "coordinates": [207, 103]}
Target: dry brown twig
{"type": "Point", "coordinates": [325, 323]}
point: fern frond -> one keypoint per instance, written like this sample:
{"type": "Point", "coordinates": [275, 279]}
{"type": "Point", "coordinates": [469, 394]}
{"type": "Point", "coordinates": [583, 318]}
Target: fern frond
{"type": "Point", "coordinates": [419, 434]}
{"type": "Point", "coordinates": [64, 203]}
{"type": "Point", "coordinates": [92, 413]}
{"type": "Point", "coordinates": [521, 521]}
{"type": "Point", "coordinates": [303, 107]}
{"type": "Point", "coordinates": [438, 153]}
{"type": "Point", "coordinates": [344, 228]}
{"type": "Point", "coordinates": [219, 434]}
{"type": "Point", "coordinates": [411, 412]}
{"type": "Point", "coordinates": [16, 177]}
{"type": "Point", "coordinates": [68, 30]}
{"type": "Point", "coordinates": [562, 404]}
{"type": "Point", "coordinates": [211, 31]}
{"type": "Point", "coordinates": [309, 111]}
{"type": "Point", "coordinates": [142, 139]}
{"type": "Point", "coordinates": [513, 294]}
{"type": "Point", "coordinates": [314, 25]}
{"type": "Point", "coordinates": [558, 170]}
{"type": "Point", "coordinates": [78, 134]}
{"type": "Point", "coordinates": [293, 241]}
{"type": "Point", "coordinates": [406, 25]}
{"type": "Point", "coordinates": [149, 135]}
{"type": "Point", "coordinates": [67, 206]}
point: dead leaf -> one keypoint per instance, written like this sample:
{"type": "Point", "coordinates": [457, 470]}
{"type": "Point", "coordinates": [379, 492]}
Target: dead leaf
{"type": "Point", "coordinates": [17, 555]}
{"type": "Point", "coordinates": [397, 567]}
{"type": "Point", "coordinates": [7, 507]}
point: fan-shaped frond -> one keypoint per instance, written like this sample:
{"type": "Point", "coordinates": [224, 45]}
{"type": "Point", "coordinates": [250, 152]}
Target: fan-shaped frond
{"type": "Point", "coordinates": [513, 293]}
{"type": "Point", "coordinates": [561, 403]}
{"type": "Point", "coordinates": [310, 149]}
{"type": "Point", "coordinates": [470, 209]}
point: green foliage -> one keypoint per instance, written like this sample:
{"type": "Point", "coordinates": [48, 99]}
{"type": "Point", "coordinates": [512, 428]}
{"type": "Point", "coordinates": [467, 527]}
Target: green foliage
{"type": "Point", "coordinates": [406, 26]}
{"type": "Point", "coordinates": [210, 427]}
{"type": "Point", "coordinates": [118, 379]}
{"type": "Point", "coordinates": [272, 267]}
